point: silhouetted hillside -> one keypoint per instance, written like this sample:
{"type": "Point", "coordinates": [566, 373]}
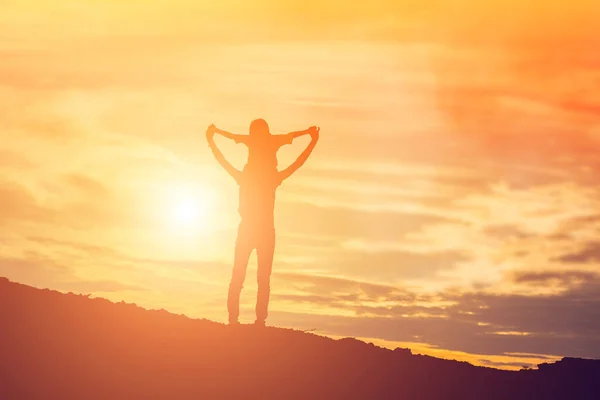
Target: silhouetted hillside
{"type": "Point", "coordinates": [66, 346]}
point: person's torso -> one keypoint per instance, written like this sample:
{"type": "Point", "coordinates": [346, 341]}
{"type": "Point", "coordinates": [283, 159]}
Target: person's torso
{"type": "Point", "coordinates": [257, 196]}
{"type": "Point", "coordinates": [263, 151]}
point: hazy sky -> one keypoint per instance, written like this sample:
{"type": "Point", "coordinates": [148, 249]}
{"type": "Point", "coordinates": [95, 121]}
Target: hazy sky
{"type": "Point", "coordinates": [451, 203]}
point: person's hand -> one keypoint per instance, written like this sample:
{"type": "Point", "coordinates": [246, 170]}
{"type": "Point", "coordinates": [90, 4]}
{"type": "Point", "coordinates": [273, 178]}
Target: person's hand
{"type": "Point", "coordinates": [314, 132]}
{"type": "Point", "coordinates": [210, 131]}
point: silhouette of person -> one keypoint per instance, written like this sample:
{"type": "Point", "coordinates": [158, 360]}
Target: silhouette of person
{"type": "Point", "coordinates": [258, 182]}
{"type": "Point", "coordinates": [262, 145]}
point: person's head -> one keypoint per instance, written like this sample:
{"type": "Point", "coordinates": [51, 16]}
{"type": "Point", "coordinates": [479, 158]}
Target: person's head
{"type": "Point", "coordinates": [259, 127]}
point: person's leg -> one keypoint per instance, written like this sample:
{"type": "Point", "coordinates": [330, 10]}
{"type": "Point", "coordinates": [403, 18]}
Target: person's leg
{"type": "Point", "coordinates": [264, 251]}
{"type": "Point", "coordinates": [243, 249]}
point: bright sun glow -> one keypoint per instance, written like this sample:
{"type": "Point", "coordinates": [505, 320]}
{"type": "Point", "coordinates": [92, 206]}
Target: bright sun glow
{"type": "Point", "coordinates": [190, 208]}
{"type": "Point", "coordinates": [187, 212]}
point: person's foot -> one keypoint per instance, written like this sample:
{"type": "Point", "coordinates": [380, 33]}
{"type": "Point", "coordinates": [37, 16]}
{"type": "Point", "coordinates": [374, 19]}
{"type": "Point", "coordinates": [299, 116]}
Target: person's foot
{"type": "Point", "coordinates": [259, 323]}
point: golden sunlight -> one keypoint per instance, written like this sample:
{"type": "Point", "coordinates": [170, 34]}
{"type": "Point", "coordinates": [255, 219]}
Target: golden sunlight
{"type": "Point", "coordinates": [189, 208]}
{"type": "Point", "coordinates": [186, 211]}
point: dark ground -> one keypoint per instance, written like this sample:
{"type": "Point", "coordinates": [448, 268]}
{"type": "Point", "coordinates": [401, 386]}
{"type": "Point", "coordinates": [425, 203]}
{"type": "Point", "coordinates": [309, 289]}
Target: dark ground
{"type": "Point", "coordinates": [66, 346]}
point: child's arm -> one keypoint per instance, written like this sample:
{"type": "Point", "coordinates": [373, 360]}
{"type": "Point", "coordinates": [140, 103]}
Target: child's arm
{"type": "Point", "coordinates": [314, 133]}
{"type": "Point", "coordinates": [233, 136]}
{"type": "Point", "coordinates": [296, 134]}
{"type": "Point", "coordinates": [289, 137]}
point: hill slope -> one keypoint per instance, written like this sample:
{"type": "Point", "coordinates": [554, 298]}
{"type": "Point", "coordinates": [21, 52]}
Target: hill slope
{"type": "Point", "coordinates": [66, 346]}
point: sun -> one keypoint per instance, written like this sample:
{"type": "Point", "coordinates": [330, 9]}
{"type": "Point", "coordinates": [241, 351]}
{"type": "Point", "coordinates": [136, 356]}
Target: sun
{"type": "Point", "coordinates": [190, 208]}
{"type": "Point", "coordinates": [187, 211]}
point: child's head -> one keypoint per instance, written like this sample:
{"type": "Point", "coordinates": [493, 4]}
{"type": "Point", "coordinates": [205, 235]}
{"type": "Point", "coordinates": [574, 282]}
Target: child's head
{"type": "Point", "coordinates": [259, 128]}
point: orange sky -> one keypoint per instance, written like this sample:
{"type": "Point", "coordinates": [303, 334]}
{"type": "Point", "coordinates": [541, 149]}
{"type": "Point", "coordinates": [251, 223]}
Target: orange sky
{"type": "Point", "coordinates": [452, 200]}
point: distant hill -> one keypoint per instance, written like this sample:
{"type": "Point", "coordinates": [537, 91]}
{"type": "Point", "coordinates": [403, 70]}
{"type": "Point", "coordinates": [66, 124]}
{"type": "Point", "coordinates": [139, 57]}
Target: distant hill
{"type": "Point", "coordinates": [67, 346]}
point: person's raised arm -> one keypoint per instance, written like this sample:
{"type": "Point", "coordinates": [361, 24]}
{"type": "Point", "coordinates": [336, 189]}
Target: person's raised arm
{"type": "Point", "coordinates": [296, 134]}
{"type": "Point", "coordinates": [288, 138]}
{"type": "Point", "coordinates": [314, 133]}
{"type": "Point", "coordinates": [233, 136]}
{"type": "Point", "coordinates": [210, 133]}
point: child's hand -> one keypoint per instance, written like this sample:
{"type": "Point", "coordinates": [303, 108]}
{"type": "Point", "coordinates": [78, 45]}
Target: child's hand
{"type": "Point", "coordinates": [210, 131]}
